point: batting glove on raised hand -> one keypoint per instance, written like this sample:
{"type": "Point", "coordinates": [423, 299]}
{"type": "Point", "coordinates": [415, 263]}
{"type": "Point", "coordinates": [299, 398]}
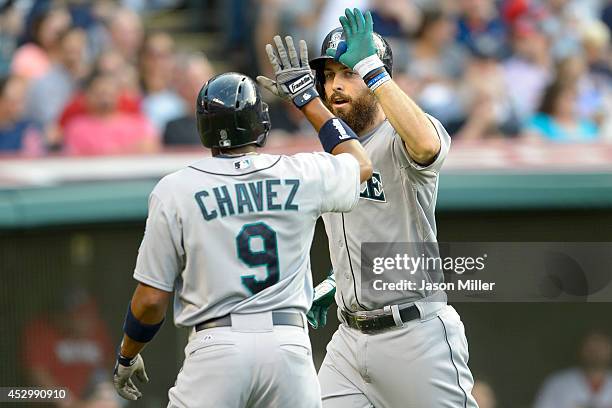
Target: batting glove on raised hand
{"type": "Point", "coordinates": [122, 377]}
{"type": "Point", "coordinates": [359, 51]}
{"type": "Point", "coordinates": [293, 76]}
{"type": "Point", "coordinates": [323, 299]}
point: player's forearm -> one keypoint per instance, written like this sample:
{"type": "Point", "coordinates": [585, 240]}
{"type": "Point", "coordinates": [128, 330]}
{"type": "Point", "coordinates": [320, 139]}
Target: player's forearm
{"type": "Point", "coordinates": [148, 307]}
{"type": "Point", "coordinates": [316, 113]}
{"type": "Point", "coordinates": [355, 148]}
{"type": "Point", "coordinates": [410, 122]}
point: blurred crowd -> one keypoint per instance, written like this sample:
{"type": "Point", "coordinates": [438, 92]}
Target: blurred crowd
{"type": "Point", "coordinates": [88, 77]}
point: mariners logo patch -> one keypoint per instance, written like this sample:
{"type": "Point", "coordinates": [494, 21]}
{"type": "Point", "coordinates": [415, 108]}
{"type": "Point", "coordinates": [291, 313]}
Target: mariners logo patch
{"type": "Point", "coordinates": [335, 40]}
{"type": "Point", "coordinates": [373, 188]}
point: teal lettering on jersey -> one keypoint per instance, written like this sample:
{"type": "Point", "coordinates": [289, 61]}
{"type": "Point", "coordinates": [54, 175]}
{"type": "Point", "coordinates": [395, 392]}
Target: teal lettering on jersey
{"type": "Point", "coordinates": [271, 195]}
{"type": "Point", "coordinates": [373, 189]}
{"type": "Point", "coordinates": [295, 184]}
{"type": "Point", "coordinates": [224, 200]}
{"type": "Point", "coordinates": [199, 197]}
{"type": "Point", "coordinates": [256, 189]}
{"type": "Point", "coordinates": [244, 198]}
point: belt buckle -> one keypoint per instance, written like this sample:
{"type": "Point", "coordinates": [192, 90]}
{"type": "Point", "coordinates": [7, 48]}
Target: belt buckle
{"type": "Point", "coordinates": [365, 323]}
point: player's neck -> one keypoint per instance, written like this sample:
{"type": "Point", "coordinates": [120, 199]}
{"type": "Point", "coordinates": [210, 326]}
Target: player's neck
{"type": "Point", "coordinates": [237, 151]}
{"type": "Point", "coordinates": [379, 118]}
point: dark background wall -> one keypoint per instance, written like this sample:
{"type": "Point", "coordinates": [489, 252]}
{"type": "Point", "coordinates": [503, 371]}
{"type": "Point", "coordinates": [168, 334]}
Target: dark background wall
{"type": "Point", "coordinates": [512, 345]}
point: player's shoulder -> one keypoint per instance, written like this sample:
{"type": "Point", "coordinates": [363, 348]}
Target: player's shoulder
{"type": "Point", "coordinates": [321, 161]}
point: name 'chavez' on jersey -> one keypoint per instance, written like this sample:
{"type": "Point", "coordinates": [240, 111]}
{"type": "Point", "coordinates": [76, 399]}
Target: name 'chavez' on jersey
{"type": "Point", "coordinates": [254, 196]}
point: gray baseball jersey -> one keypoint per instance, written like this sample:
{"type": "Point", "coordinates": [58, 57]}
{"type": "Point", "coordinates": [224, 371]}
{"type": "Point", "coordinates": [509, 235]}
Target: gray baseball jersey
{"type": "Point", "coordinates": [396, 205]}
{"type": "Point", "coordinates": [233, 234]}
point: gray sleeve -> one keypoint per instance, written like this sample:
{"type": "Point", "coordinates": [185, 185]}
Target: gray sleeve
{"type": "Point", "coordinates": [339, 181]}
{"type": "Point", "coordinates": [160, 253]}
{"type": "Point", "coordinates": [401, 154]}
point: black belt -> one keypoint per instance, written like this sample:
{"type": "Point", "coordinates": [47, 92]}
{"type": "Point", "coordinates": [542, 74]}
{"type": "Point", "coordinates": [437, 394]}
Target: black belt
{"type": "Point", "coordinates": [372, 324]}
{"type": "Point", "coordinates": [278, 319]}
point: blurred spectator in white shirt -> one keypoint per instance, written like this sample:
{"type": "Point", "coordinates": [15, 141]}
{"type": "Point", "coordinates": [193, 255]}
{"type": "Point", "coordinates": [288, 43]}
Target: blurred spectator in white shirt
{"type": "Point", "coordinates": [586, 386]}
{"type": "Point", "coordinates": [161, 103]}
{"type": "Point", "coordinates": [530, 68]}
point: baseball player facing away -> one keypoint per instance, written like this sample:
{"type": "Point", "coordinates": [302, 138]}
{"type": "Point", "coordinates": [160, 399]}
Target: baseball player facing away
{"type": "Point", "coordinates": [230, 235]}
{"type": "Point", "coordinates": [393, 349]}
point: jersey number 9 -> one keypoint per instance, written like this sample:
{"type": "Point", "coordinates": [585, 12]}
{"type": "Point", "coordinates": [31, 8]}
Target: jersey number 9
{"type": "Point", "coordinates": [267, 257]}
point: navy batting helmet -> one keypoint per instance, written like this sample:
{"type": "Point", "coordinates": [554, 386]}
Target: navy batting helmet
{"type": "Point", "coordinates": [230, 112]}
{"type": "Point", "coordinates": [332, 39]}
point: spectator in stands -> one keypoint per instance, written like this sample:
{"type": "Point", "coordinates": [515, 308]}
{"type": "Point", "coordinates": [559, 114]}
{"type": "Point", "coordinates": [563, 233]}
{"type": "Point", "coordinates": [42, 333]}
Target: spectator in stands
{"type": "Point", "coordinates": [110, 62]}
{"type": "Point", "coordinates": [435, 66]}
{"type": "Point", "coordinates": [558, 120]}
{"type": "Point", "coordinates": [329, 12]}
{"type": "Point", "coordinates": [193, 72]}
{"type": "Point", "coordinates": [491, 111]}
{"type": "Point", "coordinates": [49, 94]}
{"type": "Point", "coordinates": [589, 385]}
{"type": "Point", "coordinates": [17, 134]}
{"type": "Point", "coordinates": [71, 349]}
{"type": "Point", "coordinates": [34, 59]}
{"type": "Point", "coordinates": [480, 25]}
{"type": "Point", "coordinates": [484, 395]}
{"type": "Point", "coordinates": [161, 103]}
{"type": "Point", "coordinates": [126, 33]}
{"type": "Point", "coordinates": [296, 18]}
{"type": "Point", "coordinates": [594, 92]}
{"type": "Point", "coordinates": [395, 19]}
{"type": "Point", "coordinates": [606, 15]}
{"type": "Point", "coordinates": [104, 129]}
{"type": "Point", "coordinates": [530, 68]}
{"type": "Point", "coordinates": [595, 37]}
{"type": "Point", "coordinates": [11, 24]}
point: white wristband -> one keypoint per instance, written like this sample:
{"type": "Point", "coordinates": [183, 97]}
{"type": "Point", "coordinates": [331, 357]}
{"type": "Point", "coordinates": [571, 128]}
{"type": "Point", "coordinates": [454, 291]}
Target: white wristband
{"type": "Point", "coordinates": [368, 64]}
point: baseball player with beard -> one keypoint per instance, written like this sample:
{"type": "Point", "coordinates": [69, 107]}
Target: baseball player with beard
{"type": "Point", "coordinates": [395, 349]}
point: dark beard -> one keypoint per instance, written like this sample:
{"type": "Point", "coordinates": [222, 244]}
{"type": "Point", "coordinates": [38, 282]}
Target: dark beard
{"type": "Point", "coordinates": [361, 114]}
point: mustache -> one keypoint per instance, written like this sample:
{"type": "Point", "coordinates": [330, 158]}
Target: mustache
{"type": "Point", "coordinates": [339, 95]}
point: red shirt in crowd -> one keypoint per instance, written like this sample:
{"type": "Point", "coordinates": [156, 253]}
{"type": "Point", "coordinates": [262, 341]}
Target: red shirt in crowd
{"type": "Point", "coordinates": [118, 133]}
{"type": "Point", "coordinates": [127, 103]}
{"type": "Point", "coordinates": [70, 361]}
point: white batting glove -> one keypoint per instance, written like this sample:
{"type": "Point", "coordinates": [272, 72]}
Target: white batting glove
{"type": "Point", "coordinates": [294, 79]}
{"type": "Point", "coordinates": [122, 377]}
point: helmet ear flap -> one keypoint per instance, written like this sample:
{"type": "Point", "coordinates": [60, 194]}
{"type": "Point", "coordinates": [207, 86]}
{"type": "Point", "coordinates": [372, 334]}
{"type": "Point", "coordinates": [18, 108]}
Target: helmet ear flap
{"type": "Point", "coordinates": [267, 125]}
